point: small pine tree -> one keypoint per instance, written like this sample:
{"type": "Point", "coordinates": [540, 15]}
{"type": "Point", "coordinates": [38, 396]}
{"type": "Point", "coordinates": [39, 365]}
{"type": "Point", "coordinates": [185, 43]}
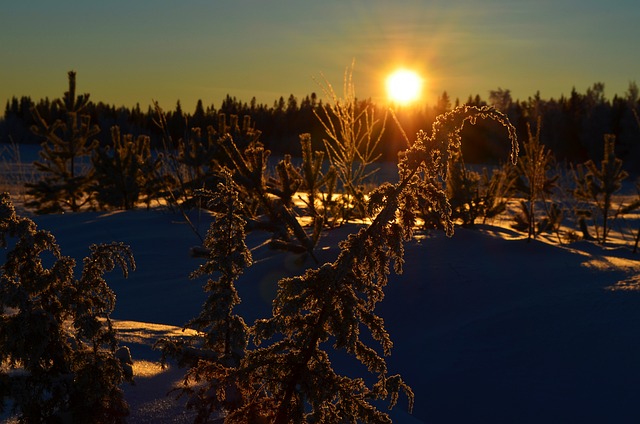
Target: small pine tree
{"type": "Point", "coordinates": [598, 185]}
{"type": "Point", "coordinates": [57, 344]}
{"type": "Point", "coordinates": [463, 191]}
{"type": "Point", "coordinates": [196, 159]}
{"type": "Point", "coordinates": [496, 190]}
{"type": "Point", "coordinates": [198, 156]}
{"type": "Point", "coordinates": [124, 172]}
{"type": "Point", "coordinates": [471, 194]}
{"type": "Point", "coordinates": [64, 184]}
{"type": "Point", "coordinates": [532, 180]}
{"type": "Point", "coordinates": [244, 133]}
{"type": "Point", "coordinates": [634, 206]}
{"type": "Point", "coordinates": [273, 198]}
{"type": "Point", "coordinates": [474, 195]}
{"type": "Point", "coordinates": [222, 336]}
{"type": "Point", "coordinates": [336, 301]}
{"type": "Point", "coordinates": [319, 187]}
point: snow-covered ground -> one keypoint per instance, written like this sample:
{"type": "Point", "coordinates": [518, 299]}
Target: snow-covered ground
{"type": "Point", "coordinates": [487, 327]}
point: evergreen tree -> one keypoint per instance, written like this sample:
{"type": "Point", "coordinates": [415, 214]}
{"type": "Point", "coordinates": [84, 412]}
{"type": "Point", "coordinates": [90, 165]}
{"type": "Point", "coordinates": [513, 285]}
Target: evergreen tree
{"type": "Point", "coordinates": [636, 205]}
{"type": "Point", "coordinates": [532, 180]}
{"type": "Point", "coordinates": [271, 198]}
{"type": "Point", "coordinates": [463, 190]}
{"type": "Point", "coordinates": [125, 172]}
{"type": "Point", "coordinates": [198, 119]}
{"type": "Point", "coordinates": [443, 104]}
{"type": "Point", "coordinates": [65, 184]}
{"type": "Point", "coordinates": [495, 191]}
{"type": "Point", "coordinates": [472, 195]}
{"type": "Point", "coordinates": [501, 99]}
{"type": "Point", "coordinates": [598, 185]}
{"type": "Point", "coordinates": [222, 336]}
{"type": "Point", "coordinates": [177, 123]}
{"type": "Point", "coordinates": [57, 345]}
{"type": "Point", "coordinates": [319, 186]}
{"type": "Point", "coordinates": [195, 164]}
{"type": "Point", "coordinates": [336, 301]}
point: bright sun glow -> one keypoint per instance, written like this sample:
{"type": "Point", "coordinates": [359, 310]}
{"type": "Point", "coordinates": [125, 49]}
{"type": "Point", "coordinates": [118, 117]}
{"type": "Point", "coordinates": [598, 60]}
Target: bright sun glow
{"type": "Point", "coordinates": [404, 86]}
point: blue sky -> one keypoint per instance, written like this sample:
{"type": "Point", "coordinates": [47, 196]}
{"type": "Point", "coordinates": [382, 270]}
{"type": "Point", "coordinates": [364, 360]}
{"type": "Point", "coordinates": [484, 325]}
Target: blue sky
{"type": "Point", "coordinates": [128, 51]}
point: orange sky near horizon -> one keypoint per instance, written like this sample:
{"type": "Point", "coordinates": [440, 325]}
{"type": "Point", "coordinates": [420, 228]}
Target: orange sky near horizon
{"type": "Point", "coordinates": [135, 52]}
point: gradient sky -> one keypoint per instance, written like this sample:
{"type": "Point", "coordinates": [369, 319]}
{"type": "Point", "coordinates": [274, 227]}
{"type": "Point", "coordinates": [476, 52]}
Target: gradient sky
{"type": "Point", "coordinates": [130, 51]}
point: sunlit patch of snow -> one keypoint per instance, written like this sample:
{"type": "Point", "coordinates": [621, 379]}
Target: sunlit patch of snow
{"type": "Point", "coordinates": [145, 369]}
{"type": "Point", "coordinates": [504, 233]}
{"type": "Point", "coordinates": [630, 284]}
{"type": "Point", "coordinates": [143, 333]}
{"type": "Point", "coordinates": [605, 263]}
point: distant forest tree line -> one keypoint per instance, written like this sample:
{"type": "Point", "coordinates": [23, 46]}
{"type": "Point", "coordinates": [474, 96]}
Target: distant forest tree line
{"type": "Point", "coordinates": [573, 127]}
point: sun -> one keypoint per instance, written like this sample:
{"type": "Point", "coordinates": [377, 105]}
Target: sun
{"type": "Point", "coordinates": [404, 86]}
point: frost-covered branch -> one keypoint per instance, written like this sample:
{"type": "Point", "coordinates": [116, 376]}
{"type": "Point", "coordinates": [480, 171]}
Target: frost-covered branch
{"type": "Point", "coordinates": [58, 372]}
{"type": "Point", "coordinates": [336, 301]}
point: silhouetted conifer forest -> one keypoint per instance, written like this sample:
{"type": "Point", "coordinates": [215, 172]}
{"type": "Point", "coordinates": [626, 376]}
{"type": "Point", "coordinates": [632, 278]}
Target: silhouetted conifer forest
{"type": "Point", "coordinates": [572, 126]}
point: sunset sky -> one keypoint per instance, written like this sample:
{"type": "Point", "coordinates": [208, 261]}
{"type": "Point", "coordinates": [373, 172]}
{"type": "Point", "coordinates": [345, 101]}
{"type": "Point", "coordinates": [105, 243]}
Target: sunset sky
{"type": "Point", "coordinates": [128, 51]}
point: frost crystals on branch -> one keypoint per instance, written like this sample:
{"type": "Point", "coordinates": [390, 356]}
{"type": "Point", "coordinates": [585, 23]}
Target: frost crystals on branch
{"type": "Point", "coordinates": [290, 378]}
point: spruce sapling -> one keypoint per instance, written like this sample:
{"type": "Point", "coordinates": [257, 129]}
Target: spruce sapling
{"type": "Point", "coordinates": [463, 191]}
{"type": "Point", "coordinates": [222, 336]}
{"type": "Point", "coordinates": [64, 185]}
{"type": "Point", "coordinates": [56, 339]}
{"type": "Point", "coordinates": [319, 186]}
{"type": "Point", "coordinates": [124, 171]}
{"type": "Point", "coordinates": [598, 185]}
{"type": "Point", "coordinates": [532, 181]}
{"type": "Point", "coordinates": [249, 172]}
{"type": "Point", "coordinates": [635, 245]}
{"type": "Point", "coordinates": [197, 156]}
{"type": "Point", "coordinates": [496, 190]}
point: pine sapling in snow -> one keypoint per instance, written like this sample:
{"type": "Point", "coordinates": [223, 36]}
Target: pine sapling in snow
{"type": "Point", "coordinates": [125, 172]}
{"type": "Point", "coordinates": [496, 188]}
{"type": "Point", "coordinates": [57, 345]}
{"type": "Point", "coordinates": [597, 185]}
{"type": "Point", "coordinates": [222, 336]}
{"type": "Point", "coordinates": [64, 184]}
{"type": "Point", "coordinates": [199, 155]}
{"type": "Point", "coordinates": [273, 199]}
{"type": "Point", "coordinates": [533, 180]}
{"type": "Point", "coordinates": [635, 205]}
{"type": "Point", "coordinates": [318, 186]}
